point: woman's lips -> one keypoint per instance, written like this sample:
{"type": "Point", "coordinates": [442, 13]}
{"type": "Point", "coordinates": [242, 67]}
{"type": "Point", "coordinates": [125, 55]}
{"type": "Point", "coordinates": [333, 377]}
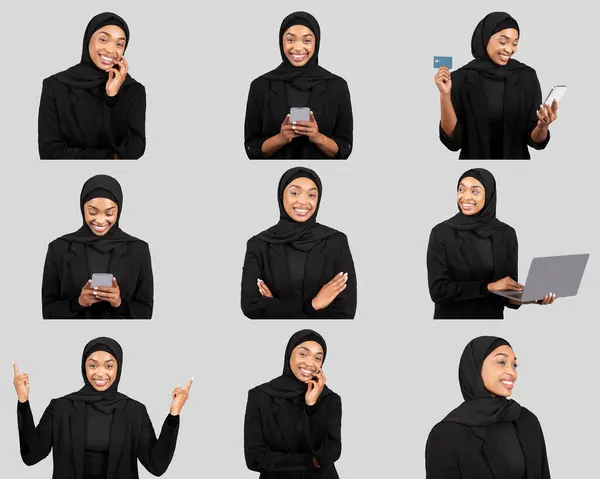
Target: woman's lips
{"type": "Point", "coordinates": [467, 206]}
{"type": "Point", "coordinates": [508, 384]}
{"type": "Point", "coordinates": [298, 58]}
{"type": "Point", "coordinates": [301, 211]}
{"type": "Point", "coordinates": [107, 60]}
{"type": "Point", "coordinates": [504, 58]}
{"type": "Point", "coordinates": [100, 383]}
{"type": "Point", "coordinates": [100, 229]}
{"type": "Point", "coordinates": [307, 373]}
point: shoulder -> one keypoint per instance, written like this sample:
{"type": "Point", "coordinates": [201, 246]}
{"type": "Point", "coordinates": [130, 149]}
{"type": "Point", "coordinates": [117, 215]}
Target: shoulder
{"type": "Point", "coordinates": [259, 84]}
{"type": "Point", "coordinates": [333, 398]}
{"type": "Point", "coordinates": [257, 395]}
{"type": "Point", "coordinates": [337, 82]}
{"type": "Point", "coordinates": [337, 237]}
{"type": "Point", "coordinates": [441, 230]}
{"type": "Point", "coordinates": [58, 246]}
{"type": "Point", "coordinates": [139, 246]}
{"type": "Point", "coordinates": [52, 83]}
{"type": "Point", "coordinates": [444, 434]}
{"type": "Point", "coordinates": [509, 232]}
{"type": "Point", "coordinates": [255, 243]}
{"type": "Point", "coordinates": [529, 418]}
{"type": "Point", "coordinates": [459, 75]}
{"type": "Point", "coordinates": [136, 88]}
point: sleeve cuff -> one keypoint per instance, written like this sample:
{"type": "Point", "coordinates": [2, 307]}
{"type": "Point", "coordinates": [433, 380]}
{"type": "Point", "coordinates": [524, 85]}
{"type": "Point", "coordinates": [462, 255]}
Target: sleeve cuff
{"type": "Point", "coordinates": [172, 421]}
{"type": "Point", "coordinates": [123, 309]}
{"type": "Point", "coordinates": [111, 100]}
{"type": "Point", "coordinates": [75, 307]}
{"type": "Point", "coordinates": [308, 307]}
{"type": "Point", "coordinates": [309, 462]}
{"type": "Point", "coordinates": [484, 289]}
{"type": "Point", "coordinates": [22, 406]}
{"type": "Point", "coordinates": [310, 410]}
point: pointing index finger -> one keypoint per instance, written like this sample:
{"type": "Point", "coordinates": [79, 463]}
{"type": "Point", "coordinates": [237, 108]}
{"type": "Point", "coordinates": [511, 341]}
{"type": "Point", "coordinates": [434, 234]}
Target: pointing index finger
{"type": "Point", "coordinates": [189, 385]}
{"type": "Point", "coordinates": [16, 368]}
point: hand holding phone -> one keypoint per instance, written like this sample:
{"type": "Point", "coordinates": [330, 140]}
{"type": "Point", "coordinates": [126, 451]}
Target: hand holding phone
{"type": "Point", "coordinates": [556, 93]}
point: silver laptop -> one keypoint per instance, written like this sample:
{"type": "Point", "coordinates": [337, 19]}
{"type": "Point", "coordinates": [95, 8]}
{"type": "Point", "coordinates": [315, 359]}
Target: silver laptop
{"type": "Point", "coordinates": [560, 275]}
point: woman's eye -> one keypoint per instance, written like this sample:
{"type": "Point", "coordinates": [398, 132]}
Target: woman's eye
{"type": "Point", "coordinates": [502, 363]}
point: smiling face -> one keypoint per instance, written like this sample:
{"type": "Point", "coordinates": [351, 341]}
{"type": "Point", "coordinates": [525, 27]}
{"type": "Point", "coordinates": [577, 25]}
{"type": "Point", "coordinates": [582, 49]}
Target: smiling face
{"type": "Point", "coordinates": [306, 360]}
{"type": "Point", "coordinates": [470, 196]}
{"type": "Point", "coordinates": [499, 371]}
{"type": "Point", "coordinates": [107, 46]}
{"type": "Point", "coordinates": [300, 199]}
{"type": "Point", "coordinates": [299, 44]}
{"type": "Point", "coordinates": [101, 370]}
{"type": "Point", "coordinates": [503, 45]}
{"type": "Point", "coordinates": [100, 215]}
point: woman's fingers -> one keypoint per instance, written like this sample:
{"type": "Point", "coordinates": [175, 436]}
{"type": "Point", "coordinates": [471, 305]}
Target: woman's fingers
{"type": "Point", "coordinates": [15, 369]}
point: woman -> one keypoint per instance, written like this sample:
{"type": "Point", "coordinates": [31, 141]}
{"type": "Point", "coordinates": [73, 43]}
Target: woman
{"type": "Point", "coordinates": [473, 254]}
{"type": "Point", "coordinates": [299, 268]}
{"type": "Point", "coordinates": [99, 246]}
{"type": "Point", "coordinates": [95, 110]}
{"type": "Point", "coordinates": [492, 108]}
{"type": "Point", "coordinates": [97, 432]}
{"type": "Point", "coordinates": [292, 428]}
{"type": "Point", "coordinates": [488, 435]}
{"type": "Point", "coordinates": [299, 81]}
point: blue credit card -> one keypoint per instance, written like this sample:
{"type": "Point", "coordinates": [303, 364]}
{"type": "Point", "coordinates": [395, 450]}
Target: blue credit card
{"type": "Point", "coordinates": [439, 62]}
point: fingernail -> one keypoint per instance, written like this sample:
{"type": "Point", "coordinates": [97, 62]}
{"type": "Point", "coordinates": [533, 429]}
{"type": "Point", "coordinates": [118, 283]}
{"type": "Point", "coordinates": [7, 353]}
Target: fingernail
{"type": "Point", "coordinates": [96, 287]}
{"type": "Point", "coordinates": [340, 273]}
{"type": "Point", "coordinates": [192, 378]}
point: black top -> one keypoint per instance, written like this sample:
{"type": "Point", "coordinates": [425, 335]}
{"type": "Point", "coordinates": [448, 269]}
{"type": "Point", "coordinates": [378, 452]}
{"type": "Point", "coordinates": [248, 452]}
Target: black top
{"type": "Point", "coordinates": [522, 98]}
{"type": "Point", "coordinates": [297, 266]}
{"type": "Point", "coordinates": [62, 430]}
{"type": "Point", "coordinates": [281, 438]}
{"type": "Point", "coordinates": [268, 106]}
{"type": "Point", "coordinates": [457, 290]}
{"type": "Point", "coordinates": [269, 262]}
{"type": "Point", "coordinates": [505, 435]}
{"type": "Point", "coordinates": [457, 451]}
{"type": "Point", "coordinates": [97, 442]}
{"type": "Point", "coordinates": [66, 272]}
{"type": "Point", "coordinates": [77, 119]}
{"type": "Point", "coordinates": [296, 98]}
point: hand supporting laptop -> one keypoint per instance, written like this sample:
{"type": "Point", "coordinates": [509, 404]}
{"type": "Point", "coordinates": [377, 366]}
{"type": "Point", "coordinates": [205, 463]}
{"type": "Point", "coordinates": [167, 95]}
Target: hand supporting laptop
{"type": "Point", "coordinates": [509, 284]}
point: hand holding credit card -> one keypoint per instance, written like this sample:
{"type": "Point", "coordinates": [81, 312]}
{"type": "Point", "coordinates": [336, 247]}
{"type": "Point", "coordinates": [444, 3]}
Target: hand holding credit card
{"type": "Point", "coordinates": [439, 62]}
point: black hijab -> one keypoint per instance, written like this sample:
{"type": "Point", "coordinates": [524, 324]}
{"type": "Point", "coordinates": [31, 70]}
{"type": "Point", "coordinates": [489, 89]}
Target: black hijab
{"type": "Point", "coordinates": [101, 186]}
{"type": "Point", "coordinates": [86, 74]}
{"type": "Point", "coordinates": [103, 401]}
{"type": "Point", "coordinates": [480, 408]}
{"type": "Point", "coordinates": [288, 386]}
{"type": "Point", "coordinates": [486, 28]}
{"type": "Point", "coordinates": [303, 236]}
{"type": "Point", "coordinates": [306, 77]}
{"type": "Point", "coordinates": [484, 223]}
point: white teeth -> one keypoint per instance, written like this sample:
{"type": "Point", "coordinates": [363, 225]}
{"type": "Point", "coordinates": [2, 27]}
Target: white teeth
{"type": "Point", "coordinates": [106, 58]}
{"type": "Point", "coordinates": [507, 382]}
{"type": "Point", "coordinates": [306, 371]}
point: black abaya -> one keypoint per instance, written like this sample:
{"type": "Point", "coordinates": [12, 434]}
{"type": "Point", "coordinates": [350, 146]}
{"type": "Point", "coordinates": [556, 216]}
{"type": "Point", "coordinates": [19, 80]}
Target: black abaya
{"type": "Point", "coordinates": [495, 105]}
{"type": "Point", "coordinates": [273, 94]}
{"type": "Point", "coordinates": [466, 253]}
{"type": "Point", "coordinates": [486, 436]}
{"type": "Point", "coordinates": [78, 451]}
{"type": "Point", "coordinates": [283, 435]}
{"type": "Point", "coordinates": [292, 254]}
{"type": "Point", "coordinates": [77, 119]}
{"type": "Point", "coordinates": [72, 259]}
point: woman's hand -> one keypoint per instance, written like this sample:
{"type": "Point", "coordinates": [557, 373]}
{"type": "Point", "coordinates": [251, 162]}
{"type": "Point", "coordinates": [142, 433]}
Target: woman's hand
{"type": "Point", "coordinates": [180, 396]}
{"type": "Point", "coordinates": [505, 284]}
{"type": "Point", "coordinates": [443, 80]}
{"type": "Point", "coordinates": [116, 76]}
{"type": "Point", "coordinates": [263, 289]}
{"type": "Point", "coordinates": [112, 294]}
{"type": "Point", "coordinates": [316, 463]}
{"type": "Point", "coordinates": [548, 299]}
{"type": "Point", "coordinates": [87, 296]}
{"type": "Point", "coordinates": [21, 382]}
{"type": "Point", "coordinates": [330, 291]}
{"type": "Point", "coordinates": [287, 132]}
{"type": "Point", "coordinates": [308, 128]}
{"type": "Point", "coordinates": [315, 388]}
{"type": "Point", "coordinates": [547, 114]}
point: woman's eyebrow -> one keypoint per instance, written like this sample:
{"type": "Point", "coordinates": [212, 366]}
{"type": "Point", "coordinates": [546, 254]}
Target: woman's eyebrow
{"type": "Point", "coordinates": [109, 35]}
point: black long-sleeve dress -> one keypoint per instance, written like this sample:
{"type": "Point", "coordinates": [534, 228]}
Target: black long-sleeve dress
{"type": "Point", "coordinates": [281, 438]}
{"type": "Point", "coordinates": [278, 266]}
{"type": "Point", "coordinates": [67, 269]}
{"type": "Point", "coordinates": [62, 430]}
{"type": "Point", "coordinates": [88, 124]}
{"type": "Point", "coordinates": [457, 290]}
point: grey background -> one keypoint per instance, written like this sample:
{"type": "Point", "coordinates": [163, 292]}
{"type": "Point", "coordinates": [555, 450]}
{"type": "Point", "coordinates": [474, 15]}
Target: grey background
{"type": "Point", "coordinates": [395, 369]}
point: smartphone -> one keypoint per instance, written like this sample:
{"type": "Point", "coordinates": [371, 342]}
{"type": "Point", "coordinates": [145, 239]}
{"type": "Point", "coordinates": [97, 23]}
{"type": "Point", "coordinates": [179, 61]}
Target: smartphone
{"type": "Point", "coordinates": [300, 114]}
{"type": "Point", "coordinates": [439, 62]}
{"type": "Point", "coordinates": [102, 280]}
{"type": "Point", "coordinates": [557, 93]}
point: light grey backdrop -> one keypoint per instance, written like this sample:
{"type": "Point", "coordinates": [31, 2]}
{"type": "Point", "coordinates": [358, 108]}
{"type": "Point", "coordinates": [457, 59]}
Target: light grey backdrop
{"type": "Point", "coordinates": [196, 199]}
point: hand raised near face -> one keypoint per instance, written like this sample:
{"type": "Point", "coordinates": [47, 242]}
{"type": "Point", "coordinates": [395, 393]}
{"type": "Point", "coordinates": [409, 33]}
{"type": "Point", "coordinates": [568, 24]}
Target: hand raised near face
{"type": "Point", "coordinates": [111, 294]}
{"type": "Point", "coordinates": [180, 396]}
{"type": "Point", "coordinates": [315, 388]}
{"type": "Point", "coordinates": [21, 382]}
{"type": "Point", "coordinates": [443, 80]}
{"type": "Point", "coordinates": [116, 76]}
{"type": "Point", "coordinates": [330, 291]}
